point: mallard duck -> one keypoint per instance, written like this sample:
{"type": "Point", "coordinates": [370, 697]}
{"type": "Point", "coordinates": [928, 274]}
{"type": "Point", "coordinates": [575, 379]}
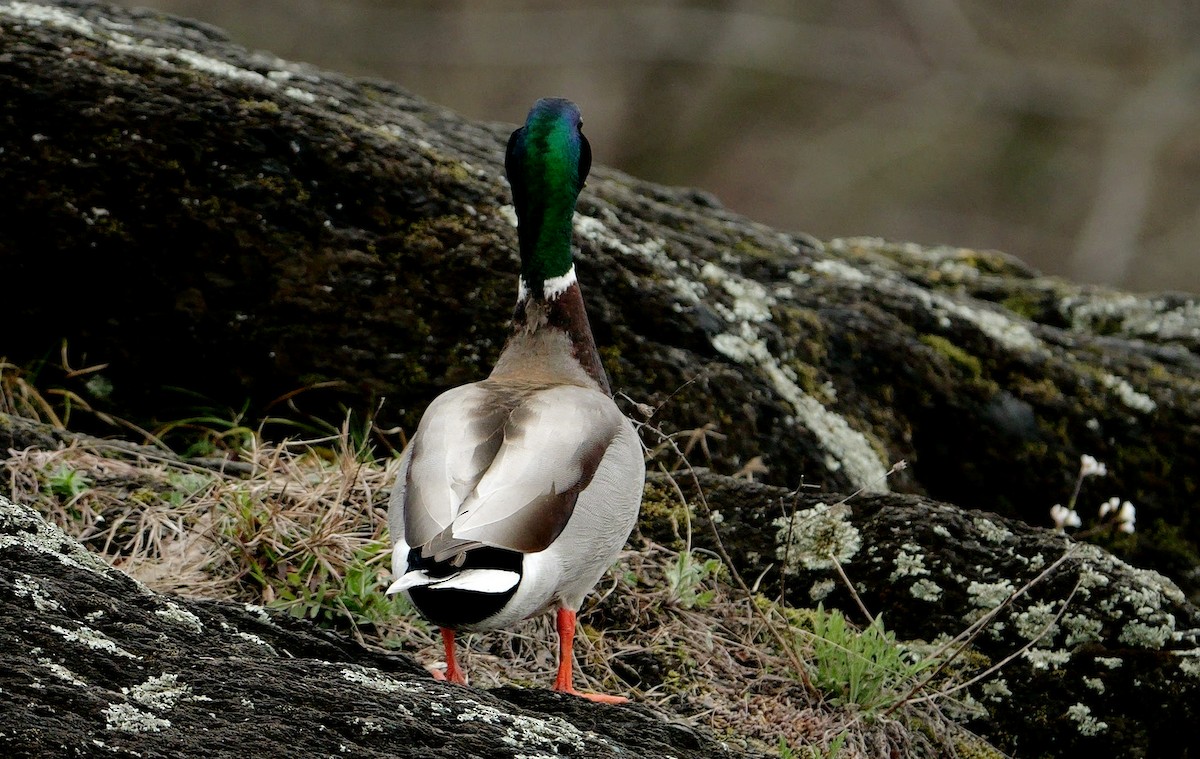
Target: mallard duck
{"type": "Point", "coordinates": [516, 493]}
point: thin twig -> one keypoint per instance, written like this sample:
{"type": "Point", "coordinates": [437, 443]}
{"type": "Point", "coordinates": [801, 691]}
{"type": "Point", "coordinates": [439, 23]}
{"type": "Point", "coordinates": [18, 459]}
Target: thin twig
{"type": "Point", "coordinates": [784, 644]}
{"type": "Point", "coordinates": [850, 586]}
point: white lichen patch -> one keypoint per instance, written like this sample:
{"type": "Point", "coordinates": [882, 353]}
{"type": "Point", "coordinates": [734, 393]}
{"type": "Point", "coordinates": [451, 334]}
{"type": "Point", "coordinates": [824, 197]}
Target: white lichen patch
{"type": "Point", "coordinates": [941, 531]}
{"type": "Point", "coordinates": [27, 586]}
{"type": "Point", "coordinates": [392, 130]}
{"type": "Point", "coordinates": [1090, 579]}
{"type": "Point", "coordinates": [969, 708]}
{"type": "Point", "coordinates": [508, 213]}
{"type": "Point", "coordinates": [989, 595]}
{"type": "Point", "coordinates": [1166, 322]}
{"type": "Point", "coordinates": [746, 306]}
{"type": "Point", "coordinates": [909, 562]}
{"type": "Point", "coordinates": [1043, 658]}
{"type": "Point", "coordinates": [160, 693]}
{"type": "Point", "coordinates": [259, 612]}
{"type": "Point", "coordinates": [176, 614]}
{"type": "Point", "coordinates": [43, 14]}
{"type": "Point", "coordinates": [930, 257]}
{"type": "Point", "coordinates": [821, 589]}
{"type": "Point", "coordinates": [1189, 663]}
{"type": "Point", "coordinates": [1162, 587]}
{"type": "Point", "coordinates": [1081, 715]}
{"type": "Point", "coordinates": [1148, 635]}
{"type": "Point", "coordinates": [1112, 662]}
{"type": "Point", "coordinates": [957, 271]}
{"type": "Point", "coordinates": [680, 274]}
{"type": "Point", "coordinates": [249, 638]}
{"type": "Point", "coordinates": [831, 267]}
{"type": "Point", "coordinates": [1125, 392]}
{"type": "Point", "coordinates": [1036, 622]}
{"type": "Point", "coordinates": [93, 639]}
{"type": "Point", "coordinates": [1144, 599]}
{"type": "Point", "coordinates": [812, 538]}
{"type": "Point", "coordinates": [653, 251]}
{"type": "Point", "coordinates": [1137, 316]}
{"type": "Point", "coordinates": [378, 682]}
{"type": "Point", "coordinates": [532, 733]}
{"type": "Point", "coordinates": [1094, 683]}
{"type": "Point", "coordinates": [252, 638]}
{"type": "Point", "coordinates": [61, 672]}
{"type": "Point", "coordinates": [926, 590]}
{"type": "Point", "coordinates": [1081, 629]}
{"type": "Point", "coordinates": [751, 301]}
{"type": "Point", "coordinates": [367, 725]}
{"type": "Point", "coordinates": [992, 532]}
{"type": "Point", "coordinates": [1137, 599]}
{"type": "Point", "coordinates": [298, 94]}
{"type": "Point", "coordinates": [130, 719]}
{"type": "Point", "coordinates": [1087, 311]}
{"type": "Point", "coordinates": [1005, 332]}
{"type": "Point", "coordinates": [1008, 333]}
{"type": "Point", "coordinates": [996, 690]}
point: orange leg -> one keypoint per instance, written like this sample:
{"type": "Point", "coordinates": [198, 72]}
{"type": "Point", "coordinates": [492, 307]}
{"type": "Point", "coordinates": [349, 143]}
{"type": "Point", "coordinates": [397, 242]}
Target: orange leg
{"type": "Point", "coordinates": [453, 673]}
{"type": "Point", "coordinates": [566, 645]}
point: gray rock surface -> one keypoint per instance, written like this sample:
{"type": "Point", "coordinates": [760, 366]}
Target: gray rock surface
{"type": "Point", "coordinates": [1105, 656]}
{"type": "Point", "coordinates": [95, 664]}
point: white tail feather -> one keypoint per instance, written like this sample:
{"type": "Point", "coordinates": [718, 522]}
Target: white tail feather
{"type": "Point", "coordinates": [476, 580]}
{"type": "Point", "coordinates": [408, 580]}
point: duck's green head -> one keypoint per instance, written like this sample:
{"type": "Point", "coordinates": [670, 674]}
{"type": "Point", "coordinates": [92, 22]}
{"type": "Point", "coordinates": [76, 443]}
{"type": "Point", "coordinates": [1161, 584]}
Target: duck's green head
{"type": "Point", "coordinates": [547, 163]}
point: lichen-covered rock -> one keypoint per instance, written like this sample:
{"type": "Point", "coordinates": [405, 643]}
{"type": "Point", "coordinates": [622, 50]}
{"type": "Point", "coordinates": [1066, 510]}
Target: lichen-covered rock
{"type": "Point", "coordinates": [1107, 656]}
{"type": "Point", "coordinates": [95, 664]}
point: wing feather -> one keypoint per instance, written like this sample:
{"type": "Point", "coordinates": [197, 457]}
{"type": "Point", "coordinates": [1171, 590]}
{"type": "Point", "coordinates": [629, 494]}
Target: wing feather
{"type": "Point", "coordinates": [553, 443]}
{"type": "Point", "coordinates": [452, 448]}
{"type": "Point", "coordinates": [502, 465]}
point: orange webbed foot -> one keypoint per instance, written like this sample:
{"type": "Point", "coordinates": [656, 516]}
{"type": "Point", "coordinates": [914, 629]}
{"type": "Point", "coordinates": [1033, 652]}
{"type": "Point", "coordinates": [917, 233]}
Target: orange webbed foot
{"type": "Point", "coordinates": [455, 677]}
{"type": "Point", "coordinates": [596, 698]}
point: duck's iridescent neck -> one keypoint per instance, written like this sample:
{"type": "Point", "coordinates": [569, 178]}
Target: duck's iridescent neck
{"type": "Point", "coordinates": [547, 162]}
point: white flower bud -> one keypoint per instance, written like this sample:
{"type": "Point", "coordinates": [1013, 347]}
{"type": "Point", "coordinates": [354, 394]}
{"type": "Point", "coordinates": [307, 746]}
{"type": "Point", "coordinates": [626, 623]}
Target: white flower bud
{"type": "Point", "coordinates": [1127, 514]}
{"type": "Point", "coordinates": [1064, 517]}
{"type": "Point", "coordinates": [1110, 506]}
{"type": "Point", "coordinates": [1088, 466]}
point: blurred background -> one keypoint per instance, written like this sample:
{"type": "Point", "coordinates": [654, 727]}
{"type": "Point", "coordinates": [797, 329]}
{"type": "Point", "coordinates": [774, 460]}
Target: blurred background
{"type": "Point", "coordinates": [1064, 132]}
